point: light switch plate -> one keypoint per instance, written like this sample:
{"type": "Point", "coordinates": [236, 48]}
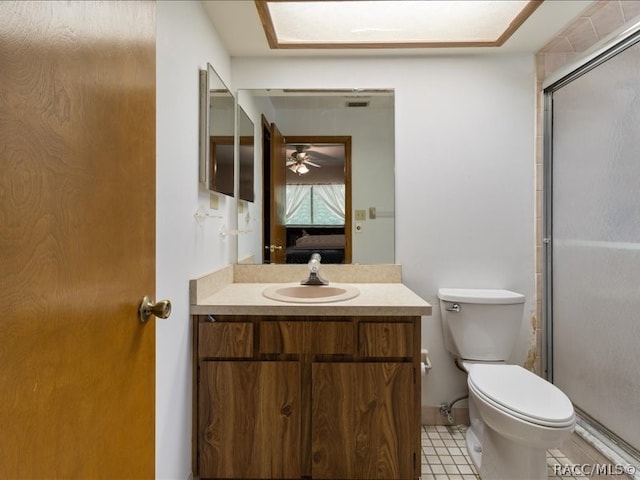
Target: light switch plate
{"type": "Point", "coordinates": [361, 214]}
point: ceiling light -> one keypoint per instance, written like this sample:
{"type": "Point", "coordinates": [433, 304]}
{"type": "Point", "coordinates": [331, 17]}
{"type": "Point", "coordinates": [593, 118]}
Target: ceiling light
{"type": "Point", "coordinates": [392, 24]}
{"type": "Point", "coordinates": [299, 168]}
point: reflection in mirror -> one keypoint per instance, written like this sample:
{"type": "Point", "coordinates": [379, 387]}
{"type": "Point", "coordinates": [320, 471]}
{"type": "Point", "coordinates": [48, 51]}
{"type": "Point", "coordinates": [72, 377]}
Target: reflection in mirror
{"type": "Point", "coordinates": [216, 133]}
{"type": "Point", "coordinates": [317, 199]}
{"type": "Point", "coordinates": [246, 152]}
{"type": "Point", "coordinates": [247, 243]}
{"type": "Point", "coordinates": [366, 118]}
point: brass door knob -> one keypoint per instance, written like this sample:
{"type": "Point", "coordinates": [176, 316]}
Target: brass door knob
{"type": "Point", "coordinates": [161, 309]}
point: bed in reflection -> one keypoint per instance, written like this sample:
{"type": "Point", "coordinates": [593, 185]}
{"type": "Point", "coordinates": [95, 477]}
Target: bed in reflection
{"type": "Point", "coordinates": [304, 241]}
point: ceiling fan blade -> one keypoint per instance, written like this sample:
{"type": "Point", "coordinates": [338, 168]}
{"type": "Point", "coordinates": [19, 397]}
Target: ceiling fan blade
{"type": "Point", "coordinates": [291, 162]}
{"type": "Point", "coordinates": [307, 162]}
{"type": "Point", "coordinates": [321, 156]}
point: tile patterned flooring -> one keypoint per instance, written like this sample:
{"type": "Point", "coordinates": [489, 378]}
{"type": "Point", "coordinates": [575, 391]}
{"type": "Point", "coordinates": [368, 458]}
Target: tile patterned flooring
{"type": "Point", "coordinates": [444, 454]}
{"type": "Point", "coordinates": [444, 457]}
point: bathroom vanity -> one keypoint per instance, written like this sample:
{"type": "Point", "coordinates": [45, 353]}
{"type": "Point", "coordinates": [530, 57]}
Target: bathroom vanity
{"type": "Point", "coordinates": [319, 389]}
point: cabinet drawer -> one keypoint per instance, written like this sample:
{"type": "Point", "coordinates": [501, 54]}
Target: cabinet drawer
{"type": "Point", "coordinates": [228, 340]}
{"type": "Point", "coordinates": [298, 337]}
{"type": "Point", "coordinates": [380, 339]}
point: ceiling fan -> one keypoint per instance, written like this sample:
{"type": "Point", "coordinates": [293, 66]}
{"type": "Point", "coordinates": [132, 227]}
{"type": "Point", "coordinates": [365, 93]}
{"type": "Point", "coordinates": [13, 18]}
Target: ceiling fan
{"type": "Point", "coordinates": [299, 160]}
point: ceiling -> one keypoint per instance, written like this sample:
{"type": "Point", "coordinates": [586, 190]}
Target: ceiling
{"type": "Point", "coordinates": [324, 99]}
{"type": "Point", "coordinates": [240, 29]}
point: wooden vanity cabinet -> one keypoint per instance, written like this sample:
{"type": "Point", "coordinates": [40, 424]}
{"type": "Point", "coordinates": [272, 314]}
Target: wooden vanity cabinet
{"type": "Point", "coordinates": [306, 397]}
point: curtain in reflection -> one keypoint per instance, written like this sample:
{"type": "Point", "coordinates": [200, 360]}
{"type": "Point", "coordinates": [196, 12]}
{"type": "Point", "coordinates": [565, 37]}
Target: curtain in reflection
{"type": "Point", "coordinates": [333, 197]}
{"type": "Point", "coordinates": [297, 196]}
{"type": "Point", "coordinates": [315, 204]}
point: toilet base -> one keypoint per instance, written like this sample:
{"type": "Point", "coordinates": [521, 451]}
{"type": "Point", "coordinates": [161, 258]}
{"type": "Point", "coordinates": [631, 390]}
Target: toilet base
{"type": "Point", "coordinates": [498, 458]}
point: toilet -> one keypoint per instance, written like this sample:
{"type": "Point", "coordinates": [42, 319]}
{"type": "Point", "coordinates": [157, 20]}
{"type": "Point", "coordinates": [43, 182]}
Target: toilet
{"type": "Point", "coordinates": [515, 415]}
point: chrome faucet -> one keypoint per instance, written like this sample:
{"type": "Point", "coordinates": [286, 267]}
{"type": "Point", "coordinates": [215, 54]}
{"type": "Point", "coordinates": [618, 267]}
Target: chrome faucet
{"type": "Point", "coordinates": [314, 272]}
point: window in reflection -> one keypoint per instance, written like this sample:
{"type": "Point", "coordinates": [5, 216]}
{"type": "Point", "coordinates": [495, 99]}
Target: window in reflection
{"type": "Point", "coordinates": [315, 205]}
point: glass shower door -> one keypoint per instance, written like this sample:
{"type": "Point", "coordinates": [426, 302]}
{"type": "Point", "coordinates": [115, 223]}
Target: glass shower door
{"type": "Point", "coordinates": [595, 243]}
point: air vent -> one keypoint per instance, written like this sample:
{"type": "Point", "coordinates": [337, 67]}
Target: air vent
{"type": "Point", "coordinates": [357, 103]}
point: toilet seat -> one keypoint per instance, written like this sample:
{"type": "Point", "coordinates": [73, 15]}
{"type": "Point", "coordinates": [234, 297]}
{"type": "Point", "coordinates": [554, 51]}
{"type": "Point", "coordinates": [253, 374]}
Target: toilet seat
{"type": "Point", "coordinates": [522, 394]}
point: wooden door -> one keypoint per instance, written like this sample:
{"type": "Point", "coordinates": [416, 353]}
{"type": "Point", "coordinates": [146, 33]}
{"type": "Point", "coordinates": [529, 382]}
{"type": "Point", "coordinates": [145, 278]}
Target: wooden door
{"type": "Point", "coordinates": [266, 190]}
{"type": "Point", "coordinates": [278, 196]}
{"type": "Point", "coordinates": [362, 421]}
{"type": "Point", "coordinates": [77, 239]}
{"type": "Point", "coordinates": [249, 418]}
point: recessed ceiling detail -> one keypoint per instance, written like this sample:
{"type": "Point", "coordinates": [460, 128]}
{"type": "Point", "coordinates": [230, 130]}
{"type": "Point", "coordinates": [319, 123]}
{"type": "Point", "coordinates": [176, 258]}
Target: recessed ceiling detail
{"type": "Point", "coordinates": [391, 24]}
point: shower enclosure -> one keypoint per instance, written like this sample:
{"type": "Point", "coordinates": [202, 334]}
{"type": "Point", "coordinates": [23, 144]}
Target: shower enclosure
{"type": "Point", "coordinates": [592, 238]}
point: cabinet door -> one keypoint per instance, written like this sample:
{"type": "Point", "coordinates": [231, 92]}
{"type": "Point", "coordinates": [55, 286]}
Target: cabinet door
{"type": "Point", "coordinates": [362, 421]}
{"type": "Point", "coordinates": [249, 419]}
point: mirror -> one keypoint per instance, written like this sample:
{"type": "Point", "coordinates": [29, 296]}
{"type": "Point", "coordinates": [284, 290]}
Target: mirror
{"type": "Point", "coordinates": [217, 121]}
{"type": "Point", "coordinates": [366, 118]}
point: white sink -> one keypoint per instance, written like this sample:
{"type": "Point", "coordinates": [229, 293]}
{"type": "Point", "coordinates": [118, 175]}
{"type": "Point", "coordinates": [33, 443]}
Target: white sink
{"type": "Point", "coordinates": [296, 293]}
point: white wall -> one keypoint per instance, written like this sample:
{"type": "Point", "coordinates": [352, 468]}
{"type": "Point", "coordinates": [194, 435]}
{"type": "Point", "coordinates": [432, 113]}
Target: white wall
{"type": "Point", "coordinates": [464, 174]}
{"type": "Point", "coordinates": [468, 220]}
{"type": "Point", "coordinates": [186, 41]}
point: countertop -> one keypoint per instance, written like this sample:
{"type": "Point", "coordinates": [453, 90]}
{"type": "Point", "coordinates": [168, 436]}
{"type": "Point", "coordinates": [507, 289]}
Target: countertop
{"type": "Point", "coordinates": [383, 299]}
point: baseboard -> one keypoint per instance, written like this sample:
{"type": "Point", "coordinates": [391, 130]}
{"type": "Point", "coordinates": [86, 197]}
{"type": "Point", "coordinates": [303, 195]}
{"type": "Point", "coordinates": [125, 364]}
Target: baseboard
{"type": "Point", "coordinates": [431, 416]}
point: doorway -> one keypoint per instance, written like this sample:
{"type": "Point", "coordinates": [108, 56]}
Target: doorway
{"type": "Point", "coordinates": [316, 207]}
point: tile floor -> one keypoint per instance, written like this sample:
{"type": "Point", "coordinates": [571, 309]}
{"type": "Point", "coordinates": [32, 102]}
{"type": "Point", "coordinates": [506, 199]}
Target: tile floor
{"type": "Point", "coordinates": [444, 457]}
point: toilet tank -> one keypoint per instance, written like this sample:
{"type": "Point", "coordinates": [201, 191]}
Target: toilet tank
{"type": "Point", "coordinates": [480, 324]}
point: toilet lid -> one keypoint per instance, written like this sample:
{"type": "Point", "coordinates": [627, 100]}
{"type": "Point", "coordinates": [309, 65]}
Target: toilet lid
{"type": "Point", "coordinates": [522, 394]}
{"type": "Point", "coordinates": [480, 296]}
